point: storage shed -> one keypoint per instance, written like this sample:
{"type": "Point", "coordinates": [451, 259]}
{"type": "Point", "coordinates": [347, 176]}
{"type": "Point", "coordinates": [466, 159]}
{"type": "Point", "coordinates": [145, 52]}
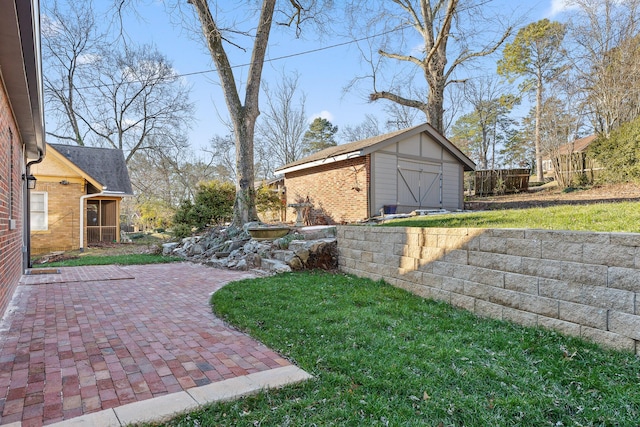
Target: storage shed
{"type": "Point", "coordinates": [414, 168]}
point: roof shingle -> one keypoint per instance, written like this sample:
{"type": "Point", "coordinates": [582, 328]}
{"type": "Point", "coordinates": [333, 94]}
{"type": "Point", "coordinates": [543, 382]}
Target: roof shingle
{"type": "Point", "coordinates": [105, 165]}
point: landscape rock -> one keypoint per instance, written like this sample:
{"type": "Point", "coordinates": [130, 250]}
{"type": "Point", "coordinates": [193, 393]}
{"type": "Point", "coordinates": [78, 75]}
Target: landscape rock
{"type": "Point", "coordinates": [288, 253]}
{"type": "Point", "coordinates": [196, 249]}
{"type": "Point", "coordinates": [167, 248]}
{"type": "Point", "coordinates": [276, 266]}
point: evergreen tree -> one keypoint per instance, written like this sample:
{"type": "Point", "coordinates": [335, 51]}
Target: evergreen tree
{"type": "Point", "coordinates": [321, 135]}
{"type": "Point", "coordinates": [536, 54]}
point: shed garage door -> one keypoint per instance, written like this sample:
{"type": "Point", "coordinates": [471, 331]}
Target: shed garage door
{"type": "Point", "coordinates": [419, 184]}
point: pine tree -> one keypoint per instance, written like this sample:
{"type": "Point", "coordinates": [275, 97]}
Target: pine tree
{"type": "Point", "coordinates": [321, 135]}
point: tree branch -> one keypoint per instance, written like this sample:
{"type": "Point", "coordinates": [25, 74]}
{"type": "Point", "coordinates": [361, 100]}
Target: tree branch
{"type": "Point", "coordinates": [218, 54]}
{"type": "Point", "coordinates": [399, 57]}
{"type": "Point", "coordinates": [398, 99]}
{"type": "Point", "coordinates": [257, 57]}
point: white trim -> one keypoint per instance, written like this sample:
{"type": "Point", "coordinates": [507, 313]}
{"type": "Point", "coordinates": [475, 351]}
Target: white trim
{"type": "Point", "coordinates": [321, 162]}
{"type": "Point", "coordinates": [82, 211]}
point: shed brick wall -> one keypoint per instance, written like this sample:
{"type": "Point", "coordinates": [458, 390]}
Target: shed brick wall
{"type": "Point", "coordinates": [337, 190]}
{"type": "Point", "coordinates": [11, 203]}
{"type": "Point", "coordinates": [63, 218]}
{"type": "Point", "coordinates": [580, 283]}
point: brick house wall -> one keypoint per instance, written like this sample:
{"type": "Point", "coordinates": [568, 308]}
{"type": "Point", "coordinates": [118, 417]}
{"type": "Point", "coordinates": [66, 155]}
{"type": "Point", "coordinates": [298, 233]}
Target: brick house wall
{"type": "Point", "coordinates": [339, 191]}
{"type": "Point", "coordinates": [11, 202]}
{"type": "Point", "coordinates": [63, 211]}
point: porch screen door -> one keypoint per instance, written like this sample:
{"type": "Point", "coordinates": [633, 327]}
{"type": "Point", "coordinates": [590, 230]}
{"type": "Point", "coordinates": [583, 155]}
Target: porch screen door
{"type": "Point", "coordinates": [101, 221]}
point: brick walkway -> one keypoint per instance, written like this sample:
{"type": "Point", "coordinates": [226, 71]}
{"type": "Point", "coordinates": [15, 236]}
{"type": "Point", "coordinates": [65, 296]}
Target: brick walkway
{"type": "Point", "coordinates": [92, 338]}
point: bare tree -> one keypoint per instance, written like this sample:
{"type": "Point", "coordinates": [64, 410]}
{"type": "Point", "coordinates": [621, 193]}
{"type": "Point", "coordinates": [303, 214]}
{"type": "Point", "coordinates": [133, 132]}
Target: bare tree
{"type": "Point", "coordinates": [170, 176]}
{"type": "Point", "coordinates": [163, 179]}
{"type": "Point", "coordinates": [368, 128]}
{"type": "Point", "coordinates": [556, 129]}
{"type": "Point", "coordinates": [70, 42]}
{"type": "Point", "coordinates": [606, 54]}
{"type": "Point", "coordinates": [244, 112]}
{"type": "Point", "coordinates": [284, 121]}
{"type": "Point", "coordinates": [400, 116]}
{"type": "Point", "coordinates": [491, 104]}
{"type": "Point", "coordinates": [106, 92]}
{"type": "Point", "coordinates": [137, 102]}
{"type": "Point", "coordinates": [223, 150]}
{"type": "Point", "coordinates": [453, 35]}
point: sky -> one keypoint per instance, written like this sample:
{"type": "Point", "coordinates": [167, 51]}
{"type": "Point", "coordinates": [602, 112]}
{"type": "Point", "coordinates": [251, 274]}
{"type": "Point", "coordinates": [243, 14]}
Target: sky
{"type": "Point", "coordinates": [324, 69]}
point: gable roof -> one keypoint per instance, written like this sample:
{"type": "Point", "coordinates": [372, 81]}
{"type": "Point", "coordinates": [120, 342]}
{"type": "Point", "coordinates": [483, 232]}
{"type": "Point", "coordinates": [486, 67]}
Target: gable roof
{"type": "Point", "coordinates": [369, 145]}
{"type": "Point", "coordinates": [104, 165]}
{"type": "Point", "coordinates": [577, 146]}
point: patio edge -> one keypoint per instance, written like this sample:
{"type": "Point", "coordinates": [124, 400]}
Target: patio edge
{"type": "Point", "coordinates": [165, 407]}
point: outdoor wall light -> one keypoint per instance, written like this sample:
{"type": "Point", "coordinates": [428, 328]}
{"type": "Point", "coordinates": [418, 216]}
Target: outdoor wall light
{"type": "Point", "coordinates": [31, 181]}
{"type": "Point", "coordinates": [64, 182]}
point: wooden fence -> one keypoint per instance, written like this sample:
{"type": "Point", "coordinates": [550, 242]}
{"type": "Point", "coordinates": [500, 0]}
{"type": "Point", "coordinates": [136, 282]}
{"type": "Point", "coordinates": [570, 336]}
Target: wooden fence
{"type": "Point", "coordinates": [500, 181]}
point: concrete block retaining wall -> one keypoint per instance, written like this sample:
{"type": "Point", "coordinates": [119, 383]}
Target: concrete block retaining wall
{"type": "Point", "coordinates": [580, 283]}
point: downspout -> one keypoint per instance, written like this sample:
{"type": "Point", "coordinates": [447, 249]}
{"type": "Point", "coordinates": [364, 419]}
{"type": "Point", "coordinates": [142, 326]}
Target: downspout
{"type": "Point", "coordinates": [26, 261]}
{"type": "Point", "coordinates": [82, 199]}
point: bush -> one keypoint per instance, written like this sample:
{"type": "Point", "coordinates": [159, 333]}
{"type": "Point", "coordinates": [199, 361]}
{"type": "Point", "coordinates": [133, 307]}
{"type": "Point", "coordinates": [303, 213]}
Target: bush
{"type": "Point", "coordinates": [213, 203]}
{"type": "Point", "coordinates": [180, 231]}
{"type": "Point", "coordinates": [619, 155]}
{"type": "Point", "coordinates": [268, 201]}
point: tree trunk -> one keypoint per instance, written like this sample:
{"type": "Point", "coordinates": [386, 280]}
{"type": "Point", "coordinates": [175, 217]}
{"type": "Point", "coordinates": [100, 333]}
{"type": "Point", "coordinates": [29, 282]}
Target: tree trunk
{"type": "Point", "coordinates": [243, 116]}
{"type": "Point", "coordinates": [244, 208]}
{"type": "Point", "coordinates": [435, 109]}
{"type": "Point", "coordinates": [539, 173]}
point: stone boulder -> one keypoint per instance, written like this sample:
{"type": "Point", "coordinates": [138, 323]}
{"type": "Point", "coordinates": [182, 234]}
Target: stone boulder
{"type": "Point", "coordinates": [233, 248]}
{"type": "Point", "coordinates": [314, 254]}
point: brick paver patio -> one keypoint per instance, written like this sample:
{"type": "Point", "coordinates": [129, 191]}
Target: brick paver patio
{"type": "Point", "coordinates": [92, 338]}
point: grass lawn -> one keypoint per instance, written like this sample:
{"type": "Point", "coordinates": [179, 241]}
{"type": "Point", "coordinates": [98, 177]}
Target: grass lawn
{"type": "Point", "coordinates": [381, 356]}
{"type": "Point", "coordinates": [124, 259]}
{"type": "Point", "coordinates": [140, 251]}
{"type": "Point", "coordinates": [619, 217]}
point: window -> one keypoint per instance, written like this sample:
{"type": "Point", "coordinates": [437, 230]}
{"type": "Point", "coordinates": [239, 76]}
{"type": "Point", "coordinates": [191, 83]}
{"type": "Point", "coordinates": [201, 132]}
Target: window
{"type": "Point", "coordinates": [38, 202]}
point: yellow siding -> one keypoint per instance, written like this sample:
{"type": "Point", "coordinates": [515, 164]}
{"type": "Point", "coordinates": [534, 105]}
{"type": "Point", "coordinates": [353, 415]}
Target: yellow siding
{"type": "Point", "coordinates": [63, 218]}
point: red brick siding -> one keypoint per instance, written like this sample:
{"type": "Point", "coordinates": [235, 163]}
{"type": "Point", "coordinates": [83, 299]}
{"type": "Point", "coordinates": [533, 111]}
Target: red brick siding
{"type": "Point", "coordinates": [11, 203]}
{"type": "Point", "coordinates": [339, 191]}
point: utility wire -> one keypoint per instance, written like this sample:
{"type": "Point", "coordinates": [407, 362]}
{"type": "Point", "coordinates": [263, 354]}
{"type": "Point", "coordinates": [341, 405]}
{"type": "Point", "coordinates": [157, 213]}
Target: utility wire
{"type": "Point", "coordinates": [277, 58]}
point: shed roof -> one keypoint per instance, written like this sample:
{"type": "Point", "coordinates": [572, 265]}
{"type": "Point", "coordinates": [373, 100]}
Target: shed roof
{"type": "Point", "coordinates": [369, 145]}
{"type": "Point", "coordinates": [105, 165]}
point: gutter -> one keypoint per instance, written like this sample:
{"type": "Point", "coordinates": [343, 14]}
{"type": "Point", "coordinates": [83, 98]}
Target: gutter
{"type": "Point", "coordinates": [89, 196]}
{"type": "Point", "coordinates": [320, 162]}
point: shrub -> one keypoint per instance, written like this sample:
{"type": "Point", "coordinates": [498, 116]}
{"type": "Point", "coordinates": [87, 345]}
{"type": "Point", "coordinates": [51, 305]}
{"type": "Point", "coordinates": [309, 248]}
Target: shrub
{"type": "Point", "coordinates": [268, 200]}
{"type": "Point", "coordinates": [619, 155]}
{"type": "Point", "coordinates": [213, 203]}
{"type": "Point", "coordinates": [180, 231]}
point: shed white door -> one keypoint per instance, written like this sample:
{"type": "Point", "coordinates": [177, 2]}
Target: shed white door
{"type": "Point", "coordinates": [419, 184]}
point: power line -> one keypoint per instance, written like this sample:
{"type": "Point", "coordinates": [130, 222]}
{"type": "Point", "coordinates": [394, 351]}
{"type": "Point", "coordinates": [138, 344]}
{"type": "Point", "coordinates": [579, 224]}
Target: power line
{"type": "Point", "coordinates": [278, 58]}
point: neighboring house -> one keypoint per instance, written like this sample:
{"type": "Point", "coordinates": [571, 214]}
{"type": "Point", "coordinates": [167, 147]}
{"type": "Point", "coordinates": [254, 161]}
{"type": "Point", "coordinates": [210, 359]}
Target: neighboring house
{"type": "Point", "coordinates": [21, 134]}
{"type": "Point", "coordinates": [77, 199]}
{"type": "Point", "coordinates": [415, 168]}
{"type": "Point", "coordinates": [571, 162]}
{"type": "Point", "coordinates": [275, 185]}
